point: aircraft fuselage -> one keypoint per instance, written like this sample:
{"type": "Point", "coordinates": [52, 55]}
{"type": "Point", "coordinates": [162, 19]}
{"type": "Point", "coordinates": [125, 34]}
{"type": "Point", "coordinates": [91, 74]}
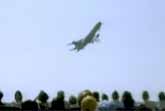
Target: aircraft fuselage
{"type": "Point", "coordinates": [92, 34]}
{"type": "Point", "coordinates": [90, 38]}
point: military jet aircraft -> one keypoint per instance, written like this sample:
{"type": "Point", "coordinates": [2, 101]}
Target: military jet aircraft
{"type": "Point", "coordinates": [90, 38]}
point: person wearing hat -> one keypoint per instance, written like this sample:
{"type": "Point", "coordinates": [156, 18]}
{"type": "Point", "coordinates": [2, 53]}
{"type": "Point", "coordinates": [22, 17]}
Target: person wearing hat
{"type": "Point", "coordinates": [82, 95]}
{"type": "Point", "coordinates": [88, 103]}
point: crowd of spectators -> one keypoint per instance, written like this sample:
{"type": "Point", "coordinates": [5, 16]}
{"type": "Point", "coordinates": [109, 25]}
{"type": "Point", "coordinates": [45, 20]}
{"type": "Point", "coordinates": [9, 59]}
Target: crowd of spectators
{"type": "Point", "coordinates": [85, 101]}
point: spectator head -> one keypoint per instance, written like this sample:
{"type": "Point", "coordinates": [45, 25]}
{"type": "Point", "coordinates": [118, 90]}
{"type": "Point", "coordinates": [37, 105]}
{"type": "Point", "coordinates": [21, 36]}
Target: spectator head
{"type": "Point", "coordinates": [88, 103]}
{"type": "Point", "coordinates": [145, 96]}
{"type": "Point", "coordinates": [96, 95]}
{"type": "Point", "coordinates": [161, 96]}
{"type": "Point", "coordinates": [1, 95]}
{"type": "Point", "coordinates": [84, 94]}
{"type": "Point", "coordinates": [105, 97]}
{"type": "Point", "coordinates": [61, 95]}
{"type": "Point", "coordinates": [115, 95]}
{"type": "Point", "coordinates": [72, 100]}
{"type": "Point", "coordinates": [87, 92]}
{"type": "Point", "coordinates": [18, 96]}
{"type": "Point", "coordinates": [43, 96]}
{"type": "Point", "coordinates": [127, 100]}
{"type": "Point", "coordinates": [30, 105]}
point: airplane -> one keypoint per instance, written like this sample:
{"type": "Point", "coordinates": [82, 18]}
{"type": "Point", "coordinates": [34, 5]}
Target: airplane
{"type": "Point", "coordinates": [90, 38]}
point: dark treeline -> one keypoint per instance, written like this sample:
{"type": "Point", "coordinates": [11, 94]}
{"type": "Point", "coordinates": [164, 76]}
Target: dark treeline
{"type": "Point", "coordinates": [85, 101]}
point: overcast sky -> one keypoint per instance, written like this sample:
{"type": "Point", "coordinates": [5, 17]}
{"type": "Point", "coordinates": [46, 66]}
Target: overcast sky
{"type": "Point", "coordinates": [34, 54]}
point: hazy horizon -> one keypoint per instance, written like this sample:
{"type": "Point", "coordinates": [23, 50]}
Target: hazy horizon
{"type": "Point", "coordinates": [34, 54]}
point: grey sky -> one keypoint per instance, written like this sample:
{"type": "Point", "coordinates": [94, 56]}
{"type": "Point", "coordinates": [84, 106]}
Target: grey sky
{"type": "Point", "coordinates": [34, 54]}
